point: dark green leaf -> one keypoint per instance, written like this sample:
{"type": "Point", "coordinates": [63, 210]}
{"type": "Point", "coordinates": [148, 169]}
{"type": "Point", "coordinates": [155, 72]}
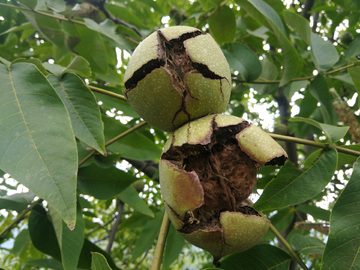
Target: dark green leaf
{"type": "Point", "coordinates": [131, 197]}
{"type": "Point", "coordinates": [83, 109]}
{"type": "Point", "coordinates": [320, 91]}
{"type": "Point", "coordinates": [354, 74]}
{"type": "Point", "coordinates": [316, 212]}
{"type": "Point", "coordinates": [323, 53]}
{"type": "Point", "coordinates": [174, 244]}
{"type": "Point", "coordinates": [99, 262]}
{"type": "Point", "coordinates": [300, 25]}
{"type": "Point", "coordinates": [42, 233]}
{"type": "Point", "coordinates": [43, 237]}
{"type": "Point", "coordinates": [333, 133]}
{"type": "Point", "coordinates": [17, 202]}
{"type": "Point", "coordinates": [223, 25]}
{"type": "Point", "coordinates": [259, 257]}
{"type": "Point", "coordinates": [147, 235]}
{"type": "Point", "coordinates": [103, 183]}
{"type": "Point", "coordinates": [88, 44]}
{"type": "Point", "coordinates": [307, 245]}
{"type": "Point", "coordinates": [70, 241]}
{"type": "Point", "coordinates": [38, 145]}
{"type": "Point", "coordinates": [85, 256]}
{"type": "Point", "coordinates": [284, 190]}
{"type": "Point", "coordinates": [78, 65]}
{"type": "Point", "coordinates": [343, 245]}
{"type": "Point", "coordinates": [353, 49]}
{"type": "Point", "coordinates": [265, 14]}
{"type": "Point", "coordinates": [133, 146]}
{"type": "Point", "coordinates": [244, 60]}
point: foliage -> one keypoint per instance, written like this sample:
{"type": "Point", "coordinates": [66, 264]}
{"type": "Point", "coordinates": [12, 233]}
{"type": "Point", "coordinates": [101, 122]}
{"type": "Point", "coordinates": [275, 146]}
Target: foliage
{"type": "Point", "coordinates": [73, 151]}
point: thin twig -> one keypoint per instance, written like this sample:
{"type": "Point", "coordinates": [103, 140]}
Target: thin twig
{"type": "Point", "coordinates": [20, 217]}
{"type": "Point", "coordinates": [101, 226]}
{"type": "Point", "coordinates": [130, 130]}
{"type": "Point", "coordinates": [295, 79]}
{"type": "Point", "coordinates": [159, 250]}
{"type": "Point", "coordinates": [106, 92]}
{"type": "Point", "coordinates": [143, 258]}
{"type": "Point", "coordinates": [115, 226]}
{"type": "Point", "coordinates": [288, 247]}
{"type": "Point", "coordinates": [316, 144]}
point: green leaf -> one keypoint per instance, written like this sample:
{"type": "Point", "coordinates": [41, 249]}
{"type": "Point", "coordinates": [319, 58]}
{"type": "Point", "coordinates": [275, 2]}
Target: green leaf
{"type": "Point", "coordinates": [34, 61]}
{"type": "Point", "coordinates": [86, 255]}
{"type": "Point", "coordinates": [353, 49]}
{"type": "Point", "coordinates": [21, 240]}
{"type": "Point", "coordinates": [56, 5]}
{"type": "Point", "coordinates": [107, 29]}
{"type": "Point", "coordinates": [70, 241]}
{"type": "Point", "coordinates": [244, 60]}
{"type": "Point", "coordinates": [38, 145]}
{"type": "Point", "coordinates": [147, 235]}
{"type": "Point", "coordinates": [343, 245]}
{"type": "Point", "coordinates": [88, 44]}
{"type": "Point", "coordinates": [47, 27]}
{"type": "Point", "coordinates": [266, 15]}
{"type": "Point", "coordinates": [78, 65]}
{"type": "Point", "coordinates": [133, 146]}
{"type": "Point", "coordinates": [300, 25]}
{"type": "Point", "coordinates": [259, 257]}
{"type": "Point", "coordinates": [307, 245]}
{"type": "Point", "coordinates": [42, 233]}
{"type": "Point", "coordinates": [131, 197]}
{"type": "Point", "coordinates": [99, 262]}
{"type": "Point", "coordinates": [83, 109]}
{"type": "Point", "coordinates": [284, 190]}
{"type": "Point", "coordinates": [333, 133]}
{"type": "Point", "coordinates": [174, 244]}
{"type": "Point", "coordinates": [323, 53]}
{"type": "Point", "coordinates": [316, 212]}
{"type": "Point", "coordinates": [46, 263]}
{"type": "Point", "coordinates": [320, 91]}
{"type": "Point", "coordinates": [17, 202]}
{"type": "Point", "coordinates": [354, 74]}
{"type": "Point", "coordinates": [44, 238]}
{"type": "Point", "coordinates": [103, 183]}
{"type": "Point", "coordinates": [268, 72]}
{"type": "Point", "coordinates": [223, 25]}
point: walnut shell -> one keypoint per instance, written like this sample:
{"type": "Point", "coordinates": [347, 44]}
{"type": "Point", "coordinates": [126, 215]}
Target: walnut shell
{"type": "Point", "coordinates": [176, 75]}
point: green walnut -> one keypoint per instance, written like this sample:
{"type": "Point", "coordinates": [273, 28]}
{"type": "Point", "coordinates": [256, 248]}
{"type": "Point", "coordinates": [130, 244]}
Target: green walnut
{"type": "Point", "coordinates": [175, 75]}
{"type": "Point", "coordinates": [207, 172]}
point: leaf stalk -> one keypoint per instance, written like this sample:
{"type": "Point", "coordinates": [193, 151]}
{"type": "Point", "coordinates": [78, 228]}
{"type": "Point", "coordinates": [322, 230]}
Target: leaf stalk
{"type": "Point", "coordinates": [159, 250]}
{"type": "Point", "coordinates": [288, 247]}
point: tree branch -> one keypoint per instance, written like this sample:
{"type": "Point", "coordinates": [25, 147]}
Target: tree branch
{"type": "Point", "coordinates": [19, 218]}
{"type": "Point", "coordinates": [117, 222]}
{"type": "Point", "coordinates": [296, 79]}
{"type": "Point", "coordinates": [127, 132]}
{"type": "Point", "coordinates": [101, 6]}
